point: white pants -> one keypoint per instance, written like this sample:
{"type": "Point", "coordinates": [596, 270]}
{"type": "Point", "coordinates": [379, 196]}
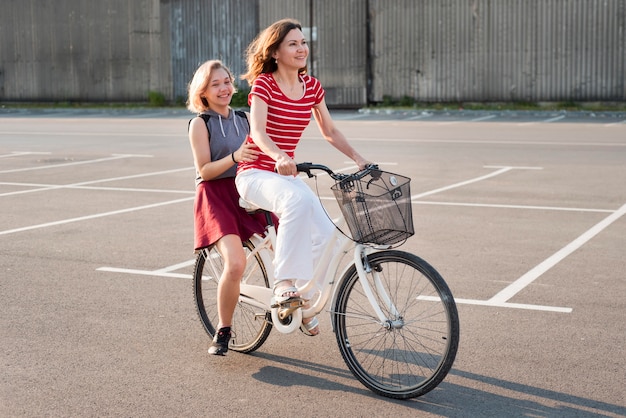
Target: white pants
{"type": "Point", "coordinates": [304, 229]}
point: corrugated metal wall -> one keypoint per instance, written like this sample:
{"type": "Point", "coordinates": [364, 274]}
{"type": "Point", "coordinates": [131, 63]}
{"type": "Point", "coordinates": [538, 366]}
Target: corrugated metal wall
{"type": "Point", "coordinates": [74, 50]}
{"type": "Point", "coordinates": [341, 51]}
{"type": "Point", "coordinates": [497, 50]}
{"type": "Point", "coordinates": [208, 29]}
{"type": "Point", "coordinates": [337, 37]}
{"type": "Point", "coordinates": [273, 10]}
{"type": "Point", "coordinates": [361, 50]}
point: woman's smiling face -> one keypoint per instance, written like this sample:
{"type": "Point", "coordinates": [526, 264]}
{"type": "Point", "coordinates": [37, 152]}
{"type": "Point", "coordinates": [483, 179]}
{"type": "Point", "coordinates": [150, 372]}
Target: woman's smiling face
{"type": "Point", "coordinates": [293, 50]}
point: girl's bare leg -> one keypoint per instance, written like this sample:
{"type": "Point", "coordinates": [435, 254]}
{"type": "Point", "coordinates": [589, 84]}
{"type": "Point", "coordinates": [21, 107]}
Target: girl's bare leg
{"type": "Point", "coordinates": [234, 257]}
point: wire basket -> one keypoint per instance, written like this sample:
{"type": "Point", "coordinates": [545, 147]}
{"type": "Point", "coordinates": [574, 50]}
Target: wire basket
{"type": "Point", "coordinates": [377, 207]}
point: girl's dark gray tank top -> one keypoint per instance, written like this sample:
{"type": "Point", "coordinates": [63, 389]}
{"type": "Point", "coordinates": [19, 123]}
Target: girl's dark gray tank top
{"type": "Point", "coordinates": [225, 137]}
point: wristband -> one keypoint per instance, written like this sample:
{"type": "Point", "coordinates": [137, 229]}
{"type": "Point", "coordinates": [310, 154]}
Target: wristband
{"type": "Point", "coordinates": [233, 157]}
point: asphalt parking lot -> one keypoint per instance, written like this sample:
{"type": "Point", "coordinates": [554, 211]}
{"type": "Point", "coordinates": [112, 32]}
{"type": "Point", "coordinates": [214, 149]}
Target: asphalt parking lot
{"type": "Point", "coordinates": [522, 214]}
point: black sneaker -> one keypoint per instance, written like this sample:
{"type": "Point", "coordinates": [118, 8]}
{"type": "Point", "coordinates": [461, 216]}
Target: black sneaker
{"type": "Point", "coordinates": [219, 346]}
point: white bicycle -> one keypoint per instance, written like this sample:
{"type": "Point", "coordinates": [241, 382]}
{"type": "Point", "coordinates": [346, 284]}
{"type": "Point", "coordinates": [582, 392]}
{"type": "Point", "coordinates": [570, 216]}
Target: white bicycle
{"type": "Point", "coordinates": [394, 317]}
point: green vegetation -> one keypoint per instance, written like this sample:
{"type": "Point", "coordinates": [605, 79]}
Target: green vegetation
{"type": "Point", "coordinates": [240, 100]}
{"type": "Point", "coordinates": [156, 99]}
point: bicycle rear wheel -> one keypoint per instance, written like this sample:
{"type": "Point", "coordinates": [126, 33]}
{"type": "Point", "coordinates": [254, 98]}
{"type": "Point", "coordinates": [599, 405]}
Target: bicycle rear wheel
{"type": "Point", "coordinates": [251, 325]}
{"type": "Point", "coordinates": [413, 350]}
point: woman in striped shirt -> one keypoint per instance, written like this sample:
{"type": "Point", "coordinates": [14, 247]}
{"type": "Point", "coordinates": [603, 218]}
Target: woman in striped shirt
{"type": "Point", "coordinates": [282, 99]}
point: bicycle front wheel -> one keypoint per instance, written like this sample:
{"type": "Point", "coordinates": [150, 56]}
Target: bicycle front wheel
{"type": "Point", "coordinates": [251, 325]}
{"type": "Point", "coordinates": [412, 350]}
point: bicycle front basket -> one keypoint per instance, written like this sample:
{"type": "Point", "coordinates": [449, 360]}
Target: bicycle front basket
{"type": "Point", "coordinates": [377, 208]}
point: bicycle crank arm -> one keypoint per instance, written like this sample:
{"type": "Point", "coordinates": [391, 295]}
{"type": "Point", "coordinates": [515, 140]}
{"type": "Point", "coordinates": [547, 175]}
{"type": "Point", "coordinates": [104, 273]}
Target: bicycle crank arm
{"type": "Point", "coordinates": [287, 307]}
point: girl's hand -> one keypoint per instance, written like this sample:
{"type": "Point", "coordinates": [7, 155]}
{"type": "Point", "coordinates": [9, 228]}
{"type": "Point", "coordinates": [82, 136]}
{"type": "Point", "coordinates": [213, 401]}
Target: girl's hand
{"type": "Point", "coordinates": [247, 152]}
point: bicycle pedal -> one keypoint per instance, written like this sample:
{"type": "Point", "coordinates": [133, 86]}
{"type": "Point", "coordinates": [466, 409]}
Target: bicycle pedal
{"type": "Point", "coordinates": [286, 308]}
{"type": "Point", "coordinates": [292, 304]}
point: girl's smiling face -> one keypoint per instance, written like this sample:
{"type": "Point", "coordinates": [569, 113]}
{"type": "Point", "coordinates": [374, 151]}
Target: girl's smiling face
{"type": "Point", "coordinates": [220, 89]}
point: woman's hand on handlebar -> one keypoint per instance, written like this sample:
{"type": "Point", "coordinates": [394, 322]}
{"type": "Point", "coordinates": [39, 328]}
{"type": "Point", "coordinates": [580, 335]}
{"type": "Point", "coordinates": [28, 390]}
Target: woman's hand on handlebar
{"type": "Point", "coordinates": [363, 164]}
{"type": "Point", "coordinates": [285, 166]}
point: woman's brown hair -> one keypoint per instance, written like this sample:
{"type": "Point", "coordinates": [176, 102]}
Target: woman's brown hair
{"type": "Point", "coordinates": [259, 52]}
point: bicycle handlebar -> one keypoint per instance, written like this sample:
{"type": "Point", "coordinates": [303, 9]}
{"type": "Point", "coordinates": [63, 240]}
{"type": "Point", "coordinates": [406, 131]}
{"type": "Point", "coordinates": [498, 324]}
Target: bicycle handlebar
{"type": "Point", "coordinates": [307, 167]}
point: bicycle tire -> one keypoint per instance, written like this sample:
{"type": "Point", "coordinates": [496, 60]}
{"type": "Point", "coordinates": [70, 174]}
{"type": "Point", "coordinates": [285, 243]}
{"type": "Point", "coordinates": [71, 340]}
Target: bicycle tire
{"type": "Point", "coordinates": [251, 325]}
{"type": "Point", "coordinates": [411, 353]}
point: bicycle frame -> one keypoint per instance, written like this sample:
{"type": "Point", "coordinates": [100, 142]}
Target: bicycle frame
{"type": "Point", "coordinates": [324, 274]}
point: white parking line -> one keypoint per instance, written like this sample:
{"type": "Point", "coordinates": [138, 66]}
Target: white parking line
{"type": "Point", "coordinates": [158, 273]}
{"type": "Point", "coordinates": [503, 305]}
{"type": "Point", "coordinates": [44, 187]}
{"type": "Point", "coordinates": [94, 216]}
{"type": "Point", "coordinates": [88, 134]}
{"type": "Point", "coordinates": [168, 272]}
{"type": "Point", "coordinates": [20, 153]}
{"type": "Point", "coordinates": [474, 180]}
{"type": "Point", "coordinates": [483, 118]}
{"type": "Point", "coordinates": [501, 206]}
{"type": "Point", "coordinates": [349, 116]}
{"type": "Point", "coordinates": [175, 267]}
{"type": "Point", "coordinates": [554, 119]}
{"type": "Point", "coordinates": [466, 141]}
{"type": "Point", "coordinates": [493, 302]}
{"type": "Point", "coordinates": [98, 160]}
{"type": "Point", "coordinates": [515, 287]}
{"type": "Point", "coordinates": [163, 272]}
{"type": "Point", "coordinates": [422, 116]}
{"type": "Point", "coordinates": [499, 300]}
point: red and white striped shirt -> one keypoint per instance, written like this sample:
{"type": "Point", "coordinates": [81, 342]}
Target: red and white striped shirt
{"type": "Point", "coordinates": [286, 118]}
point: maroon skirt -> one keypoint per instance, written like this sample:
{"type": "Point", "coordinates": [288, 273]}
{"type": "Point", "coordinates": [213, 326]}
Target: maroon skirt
{"type": "Point", "coordinates": [217, 213]}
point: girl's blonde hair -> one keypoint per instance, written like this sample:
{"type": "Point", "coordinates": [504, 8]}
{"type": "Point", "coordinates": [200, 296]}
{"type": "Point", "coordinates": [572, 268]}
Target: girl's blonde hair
{"type": "Point", "coordinates": [259, 52]}
{"type": "Point", "coordinates": [200, 82]}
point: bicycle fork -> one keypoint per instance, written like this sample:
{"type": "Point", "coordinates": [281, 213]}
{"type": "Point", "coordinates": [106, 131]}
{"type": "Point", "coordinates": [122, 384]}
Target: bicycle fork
{"type": "Point", "coordinates": [363, 268]}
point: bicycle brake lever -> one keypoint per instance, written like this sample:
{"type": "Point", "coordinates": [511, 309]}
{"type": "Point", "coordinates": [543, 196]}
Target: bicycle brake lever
{"type": "Point", "coordinates": [374, 171]}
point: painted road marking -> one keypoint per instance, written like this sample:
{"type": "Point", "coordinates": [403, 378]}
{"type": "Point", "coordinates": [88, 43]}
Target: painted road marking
{"type": "Point", "coordinates": [502, 206]}
{"type": "Point", "coordinates": [483, 118]}
{"type": "Point", "coordinates": [44, 187]}
{"type": "Point", "coordinates": [163, 272]}
{"type": "Point", "coordinates": [168, 272]}
{"type": "Point", "coordinates": [98, 160]}
{"type": "Point", "coordinates": [94, 216]}
{"type": "Point", "coordinates": [85, 183]}
{"type": "Point", "coordinates": [515, 287]}
{"type": "Point", "coordinates": [499, 300]}
{"type": "Point", "coordinates": [20, 153]}
{"type": "Point", "coordinates": [554, 119]}
{"type": "Point", "coordinates": [474, 180]}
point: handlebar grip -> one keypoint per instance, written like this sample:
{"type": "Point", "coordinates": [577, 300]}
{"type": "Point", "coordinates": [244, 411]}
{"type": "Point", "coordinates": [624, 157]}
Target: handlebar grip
{"type": "Point", "coordinates": [306, 167]}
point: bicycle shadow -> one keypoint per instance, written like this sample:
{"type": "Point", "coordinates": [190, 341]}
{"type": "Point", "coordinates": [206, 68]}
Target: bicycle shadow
{"type": "Point", "coordinates": [286, 376]}
{"type": "Point", "coordinates": [448, 399]}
